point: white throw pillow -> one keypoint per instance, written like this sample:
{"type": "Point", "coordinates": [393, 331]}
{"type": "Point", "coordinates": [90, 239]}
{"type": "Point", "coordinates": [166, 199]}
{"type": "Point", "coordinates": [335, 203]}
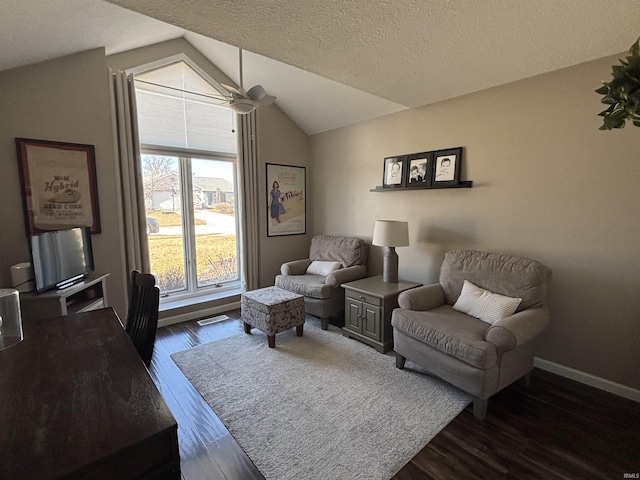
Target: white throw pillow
{"type": "Point", "coordinates": [485, 305]}
{"type": "Point", "coordinates": [319, 267]}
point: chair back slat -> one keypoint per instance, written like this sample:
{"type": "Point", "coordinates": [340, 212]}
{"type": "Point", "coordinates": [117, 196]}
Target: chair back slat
{"type": "Point", "coordinates": [142, 318]}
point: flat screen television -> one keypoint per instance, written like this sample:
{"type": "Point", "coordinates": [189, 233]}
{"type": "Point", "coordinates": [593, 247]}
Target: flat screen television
{"type": "Point", "coordinates": [61, 258]}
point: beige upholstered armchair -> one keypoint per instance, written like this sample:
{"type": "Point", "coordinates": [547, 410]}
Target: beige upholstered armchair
{"type": "Point", "coordinates": [332, 261]}
{"type": "Point", "coordinates": [477, 328]}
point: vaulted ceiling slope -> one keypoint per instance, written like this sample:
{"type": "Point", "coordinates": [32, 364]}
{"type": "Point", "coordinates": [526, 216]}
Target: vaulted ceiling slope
{"type": "Point", "coordinates": [335, 63]}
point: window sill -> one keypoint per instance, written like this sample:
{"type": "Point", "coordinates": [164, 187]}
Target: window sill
{"type": "Point", "coordinates": [185, 301]}
{"type": "Point", "coordinates": [195, 307]}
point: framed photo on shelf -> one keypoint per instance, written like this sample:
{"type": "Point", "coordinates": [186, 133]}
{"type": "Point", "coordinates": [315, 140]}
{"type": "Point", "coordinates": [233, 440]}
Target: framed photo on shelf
{"type": "Point", "coordinates": [446, 167]}
{"type": "Point", "coordinates": [419, 166]}
{"type": "Point", "coordinates": [286, 200]}
{"type": "Point", "coordinates": [59, 188]}
{"type": "Point", "coordinates": [394, 172]}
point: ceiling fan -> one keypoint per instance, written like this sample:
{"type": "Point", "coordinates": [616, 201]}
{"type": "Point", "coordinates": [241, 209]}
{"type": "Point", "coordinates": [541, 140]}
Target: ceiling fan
{"type": "Point", "coordinates": [243, 102]}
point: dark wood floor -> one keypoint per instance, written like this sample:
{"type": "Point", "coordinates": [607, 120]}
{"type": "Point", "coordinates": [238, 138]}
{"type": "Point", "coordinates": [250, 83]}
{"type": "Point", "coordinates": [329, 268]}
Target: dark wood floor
{"type": "Point", "coordinates": [557, 428]}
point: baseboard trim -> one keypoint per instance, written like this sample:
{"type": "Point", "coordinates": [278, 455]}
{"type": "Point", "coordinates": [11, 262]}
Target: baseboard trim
{"type": "Point", "coordinates": [588, 379]}
{"type": "Point", "coordinates": [185, 317]}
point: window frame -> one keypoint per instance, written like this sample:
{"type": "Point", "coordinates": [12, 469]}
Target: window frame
{"type": "Point", "coordinates": [188, 224]}
{"type": "Point", "coordinates": [192, 290]}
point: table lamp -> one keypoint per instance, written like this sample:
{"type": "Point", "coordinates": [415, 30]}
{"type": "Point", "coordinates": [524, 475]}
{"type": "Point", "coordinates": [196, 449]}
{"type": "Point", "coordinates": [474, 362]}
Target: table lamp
{"type": "Point", "coordinates": [390, 234]}
{"type": "Point", "coordinates": [10, 320]}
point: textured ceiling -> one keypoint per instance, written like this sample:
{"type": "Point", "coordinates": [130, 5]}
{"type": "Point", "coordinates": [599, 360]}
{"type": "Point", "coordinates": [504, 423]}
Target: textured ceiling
{"type": "Point", "coordinates": [412, 52]}
{"type": "Point", "coordinates": [334, 63]}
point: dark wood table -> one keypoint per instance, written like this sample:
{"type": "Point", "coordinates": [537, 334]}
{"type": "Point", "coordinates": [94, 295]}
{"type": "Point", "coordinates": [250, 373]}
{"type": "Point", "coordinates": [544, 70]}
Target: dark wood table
{"type": "Point", "coordinates": [76, 401]}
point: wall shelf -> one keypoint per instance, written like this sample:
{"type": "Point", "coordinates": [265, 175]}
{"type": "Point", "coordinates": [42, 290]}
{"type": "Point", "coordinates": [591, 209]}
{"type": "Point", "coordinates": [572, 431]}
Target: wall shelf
{"type": "Point", "coordinates": [464, 184]}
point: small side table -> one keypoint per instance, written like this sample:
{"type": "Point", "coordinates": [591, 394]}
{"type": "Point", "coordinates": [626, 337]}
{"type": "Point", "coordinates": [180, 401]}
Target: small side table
{"type": "Point", "coordinates": [368, 306]}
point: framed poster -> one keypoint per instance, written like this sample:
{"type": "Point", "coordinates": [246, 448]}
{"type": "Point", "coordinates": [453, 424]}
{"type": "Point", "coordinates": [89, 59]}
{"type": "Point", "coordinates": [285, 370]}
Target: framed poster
{"type": "Point", "coordinates": [446, 166]}
{"type": "Point", "coordinates": [59, 187]}
{"type": "Point", "coordinates": [286, 200]}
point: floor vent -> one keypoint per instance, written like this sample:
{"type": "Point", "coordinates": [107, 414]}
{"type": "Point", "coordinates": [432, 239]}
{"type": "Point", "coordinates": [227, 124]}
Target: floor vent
{"type": "Point", "coordinates": [209, 321]}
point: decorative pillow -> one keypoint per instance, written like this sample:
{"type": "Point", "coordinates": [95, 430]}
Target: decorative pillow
{"type": "Point", "coordinates": [319, 267]}
{"type": "Point", "coordinates": [485, 305]}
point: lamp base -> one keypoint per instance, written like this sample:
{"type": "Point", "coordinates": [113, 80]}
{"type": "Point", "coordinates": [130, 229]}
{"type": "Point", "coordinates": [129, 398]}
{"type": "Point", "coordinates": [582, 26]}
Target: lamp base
{"type": "Point", "coordinates": [390, 266]}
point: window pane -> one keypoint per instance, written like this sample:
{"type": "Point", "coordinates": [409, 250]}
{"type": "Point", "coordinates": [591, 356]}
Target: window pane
{"type": "Point", "coordinates": [214, 199]}
{"type": "Point", "coordinates": [161, 180]}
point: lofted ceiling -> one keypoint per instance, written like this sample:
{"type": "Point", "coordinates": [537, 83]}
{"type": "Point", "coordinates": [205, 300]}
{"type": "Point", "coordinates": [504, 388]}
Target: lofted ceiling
{"type": "Point", "coordinates": [336, 63]}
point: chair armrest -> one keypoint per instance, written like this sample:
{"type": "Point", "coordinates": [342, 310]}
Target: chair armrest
{"type": "Point", "coordinates": [296, 267]}
{"type": "Point", "coordinates": [518, 329]}
{"type": "Point", "coordinates": [343, 275]}
{"type": "Point", "coordinates": [422, 298]}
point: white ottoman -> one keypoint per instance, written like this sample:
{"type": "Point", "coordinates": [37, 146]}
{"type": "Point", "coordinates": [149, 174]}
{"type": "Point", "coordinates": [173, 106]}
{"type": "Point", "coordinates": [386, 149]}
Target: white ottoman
{"type": "Point", "coordinates": [272, 310]}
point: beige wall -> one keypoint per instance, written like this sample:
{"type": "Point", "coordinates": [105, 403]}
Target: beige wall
{"type": "Point", "coordinates": [64, 100]}
{"type": "Point", "coordinates": [67, 99]}
{"type": "Point", "coordinates": [547, 185]}
{"type": "Point", "coordinates": [283, 142]}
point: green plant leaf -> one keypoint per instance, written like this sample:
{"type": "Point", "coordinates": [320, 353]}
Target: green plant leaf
{"type": "Point", "coordinates": [618, 71]}
{"type": "Point", "coordinates": [635, 48]}
{"type": "Point", "coordinates": [605, 113]}
{"type": "Point", "coordinates": [632, 61]}
{"type": "Point", "coordinates": [619, 112]}
{"type": "Point", "coordinates": [622, 93]}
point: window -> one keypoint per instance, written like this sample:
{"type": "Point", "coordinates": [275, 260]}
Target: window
{"type": "Point", "coordinates": [189, 180]}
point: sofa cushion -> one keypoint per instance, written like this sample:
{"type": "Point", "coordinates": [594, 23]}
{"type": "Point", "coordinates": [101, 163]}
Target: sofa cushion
{"type": "Point", "coordinates": [506, 275]}
{"type": "Point", "coordinates": [485, 305]}
{"type": "Point", "coordinates": [322, 268]}
{"type": "Point", "coordinates": [450, 332]}
{"type": "Point", "coordinates": [346, 250]}
{"type": "Point", "coordinates": [308, 285]}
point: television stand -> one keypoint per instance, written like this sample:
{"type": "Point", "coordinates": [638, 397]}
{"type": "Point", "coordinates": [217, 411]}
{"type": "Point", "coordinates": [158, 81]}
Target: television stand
{"type": "Point", "coordinates": [88, 294]}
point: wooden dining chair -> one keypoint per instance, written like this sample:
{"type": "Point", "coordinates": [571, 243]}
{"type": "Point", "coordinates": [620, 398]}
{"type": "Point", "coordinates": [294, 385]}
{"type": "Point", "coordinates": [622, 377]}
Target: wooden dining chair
{"type": "Point", "coordinates": [142, 319]}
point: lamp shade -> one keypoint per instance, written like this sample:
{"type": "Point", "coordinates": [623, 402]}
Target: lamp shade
{"type": "Point", "coordinates": [10, 320]}
{"type": "Point", "coordinates": [391, 233]}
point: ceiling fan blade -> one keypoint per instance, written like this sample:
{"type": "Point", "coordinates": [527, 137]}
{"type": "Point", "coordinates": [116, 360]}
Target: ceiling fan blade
{"type": "Point", "coordinates": [266, 100]}
{"type": "Point", "coordinates": [259, 94]}
{"type": "Point", "coordinates": [234, 90]}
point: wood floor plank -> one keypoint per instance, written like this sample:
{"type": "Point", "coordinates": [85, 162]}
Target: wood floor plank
{"type": "Point", "coordinates": [233, 461]}
{"type": "Point", "coordinates": [557, 428]}
{"type": "Point", "coordinates": [184, 397]}
{"type": "Point", "coordinates": [548, 431]}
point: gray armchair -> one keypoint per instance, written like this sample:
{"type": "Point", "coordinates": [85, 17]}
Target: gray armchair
{"type": "Point", "coordinates": [323, 296]}
{"type": "Point", "coordinates": [477, 357]}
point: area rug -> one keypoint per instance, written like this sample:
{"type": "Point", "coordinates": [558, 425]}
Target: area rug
{"type": "Point", "coordinates": [320, 406]}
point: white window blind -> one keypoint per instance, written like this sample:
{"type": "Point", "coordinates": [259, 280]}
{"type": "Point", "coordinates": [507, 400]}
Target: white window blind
{"type": "Point", "coordinates": [176, 109]}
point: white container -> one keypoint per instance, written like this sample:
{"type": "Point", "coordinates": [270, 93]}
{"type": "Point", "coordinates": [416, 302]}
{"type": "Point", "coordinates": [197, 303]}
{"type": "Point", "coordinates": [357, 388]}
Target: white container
{"type": "Point", "coordinates": [10, 319]}
{"type": "Point", "coordinates": [22, 277]}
